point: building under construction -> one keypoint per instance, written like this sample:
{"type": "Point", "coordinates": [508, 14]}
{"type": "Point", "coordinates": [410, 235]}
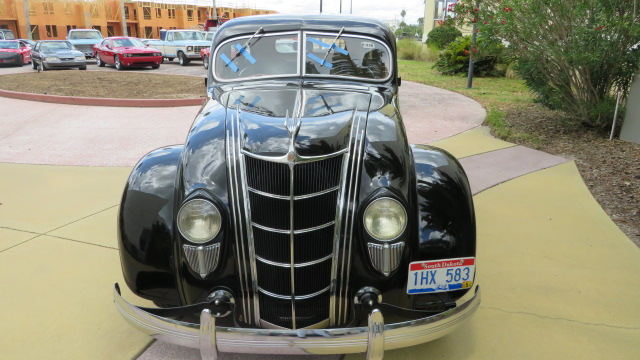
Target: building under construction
{"type": "Point", "coordinates": [52, 19]}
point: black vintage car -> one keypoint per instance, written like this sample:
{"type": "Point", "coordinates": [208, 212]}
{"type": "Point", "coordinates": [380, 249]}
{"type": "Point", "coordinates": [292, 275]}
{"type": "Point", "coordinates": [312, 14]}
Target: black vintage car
{"type": "Point", "coordinates": [296, 218]}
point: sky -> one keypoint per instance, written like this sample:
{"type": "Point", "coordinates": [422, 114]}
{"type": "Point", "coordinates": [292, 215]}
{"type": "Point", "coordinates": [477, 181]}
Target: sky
{"type": "Point", "coordinates": [385, 10]}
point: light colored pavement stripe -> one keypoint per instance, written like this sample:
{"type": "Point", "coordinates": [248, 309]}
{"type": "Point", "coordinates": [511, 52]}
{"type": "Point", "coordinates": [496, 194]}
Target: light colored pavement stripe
{"type": "Point", "coordinates": [492, 168]}
{"type": "Point", "coordinates": [472, 142]}
{"type": "Point", "coordinates": [59, 134]}
{"type": "Point", "coordinates": [558, 277]}
{"type": "Point", "coordinates": [431, 114]}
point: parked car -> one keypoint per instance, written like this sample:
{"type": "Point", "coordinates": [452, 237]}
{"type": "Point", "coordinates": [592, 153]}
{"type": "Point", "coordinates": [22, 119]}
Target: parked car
{"type": "Point", "coordinates": [205, 55]}
{"type": "Point", "coordinates": [185, 45]}
{"type": "Point", "coordinates": [6, 34]}
{"type": "Point", "coordinates": [84, 40]}
{"type": "Point", "coordinates": [296, 218]}
{"type": "Point", "coordinates": [123, 52]}
{"type": "Point", "coordinates": [56, 54]}
{"type": "Point", "coordinates": [28, 42]}
{"type": "Point", "coordinates": [208, 35]}
{"type": "Point", "coordinates": [14, 52]}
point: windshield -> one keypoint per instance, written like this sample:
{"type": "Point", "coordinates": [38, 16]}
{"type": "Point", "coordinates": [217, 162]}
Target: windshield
{"type": "Point", "coordinates": [128, 43]}
{"type": "Point", "coordinates": [274, 55]}
{"type": "Point", "coordinates": [345, 55]}
{"type": "Point", "coordinates": [9, 45]}
{"type": "Point", "coordinates": [324, 55]}
{"type": "Point", "coordinates": [57, 45]}
{"type": "Point", "coordinates": [85, 35]}
{"type": "Point", "coordinates": [188, 35]}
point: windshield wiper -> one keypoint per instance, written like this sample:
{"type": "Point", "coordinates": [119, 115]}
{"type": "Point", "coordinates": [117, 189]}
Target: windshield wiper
{"type": "Point", "coordinates": [244, 47]}
{"type": "Point", "coordinates": [331, 47]}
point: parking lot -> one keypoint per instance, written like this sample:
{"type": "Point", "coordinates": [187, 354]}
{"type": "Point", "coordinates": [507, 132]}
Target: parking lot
{"type": "Point", "coordinates": [558, 277]}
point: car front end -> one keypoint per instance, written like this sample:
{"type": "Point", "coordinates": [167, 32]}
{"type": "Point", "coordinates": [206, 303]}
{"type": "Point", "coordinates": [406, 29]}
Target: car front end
{"type": "Point", "coordinates": [64, 59]}
{"type": "Point", "coordinates": [146, 57]}
{"type": "Point", "coordinates": [296, 218]}
{"type": "Point", "coordinates": [10, 57]}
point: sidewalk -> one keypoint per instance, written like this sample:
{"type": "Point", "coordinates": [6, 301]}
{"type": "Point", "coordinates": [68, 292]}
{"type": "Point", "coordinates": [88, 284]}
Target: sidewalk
{"type": "Point", "coordinates": [558, 277]}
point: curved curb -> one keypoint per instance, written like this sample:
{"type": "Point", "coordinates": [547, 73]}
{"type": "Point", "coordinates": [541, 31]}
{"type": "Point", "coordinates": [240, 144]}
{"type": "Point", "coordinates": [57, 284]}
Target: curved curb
{"type": "Point", "coordinates": [74, 100]}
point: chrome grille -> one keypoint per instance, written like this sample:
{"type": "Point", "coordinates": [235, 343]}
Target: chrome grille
{"type": "Point", "coordinates": [293, 251]}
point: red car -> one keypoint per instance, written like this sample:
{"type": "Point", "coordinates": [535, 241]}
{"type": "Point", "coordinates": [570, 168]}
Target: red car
{"type": "Point", "coordinates": [14, 52]}
{"type": "Point", "coordinates": [123, 52]}
{"type": "Point", "coordinates": [205, 54]}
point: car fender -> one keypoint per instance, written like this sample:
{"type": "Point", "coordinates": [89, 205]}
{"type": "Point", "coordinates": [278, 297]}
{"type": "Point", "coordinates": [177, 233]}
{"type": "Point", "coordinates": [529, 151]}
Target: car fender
{"type": "Point", "coordinates": [446, 218]}
{"type": "Point", "coordinates": [145, 226]}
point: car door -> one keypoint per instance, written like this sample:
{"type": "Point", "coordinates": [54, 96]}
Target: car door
{"type": "Point", "coordinates": [25, 50]}
{"type": "Point", "coordinates": [35, 53]}
{"type": "Point", "coordinates": [100, 49]}
{"type": "Point", "coordinates": [109, 51]}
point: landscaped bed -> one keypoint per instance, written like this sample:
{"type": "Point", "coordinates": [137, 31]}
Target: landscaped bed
{"type": "Point", "coordinates": [102, 84]}
{"type": "Point", "coordinates": [611, 169]}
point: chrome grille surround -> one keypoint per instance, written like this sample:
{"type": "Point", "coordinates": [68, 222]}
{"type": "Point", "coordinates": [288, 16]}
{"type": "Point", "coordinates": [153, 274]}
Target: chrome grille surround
{"type": "Point", "coordinates": [334, 293]}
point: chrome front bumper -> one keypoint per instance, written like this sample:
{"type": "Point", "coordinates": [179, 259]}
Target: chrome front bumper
{"type": "Point", "coordinates": [373, 339]}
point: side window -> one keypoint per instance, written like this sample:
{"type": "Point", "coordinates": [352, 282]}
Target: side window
{"type": "Point", "coordinates": [170, 36]}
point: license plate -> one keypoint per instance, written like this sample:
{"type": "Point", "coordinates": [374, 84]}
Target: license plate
{"type": "Point", "coordinates": [441, 275]}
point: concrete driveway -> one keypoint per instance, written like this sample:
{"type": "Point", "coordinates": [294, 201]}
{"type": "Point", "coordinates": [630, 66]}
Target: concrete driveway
{"type": "Point", "coordinates": [559, 279]}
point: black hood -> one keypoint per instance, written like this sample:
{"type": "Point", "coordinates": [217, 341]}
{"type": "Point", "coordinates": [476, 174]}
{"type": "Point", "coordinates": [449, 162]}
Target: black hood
{"type": "Point", "coordinates": [319, 120]}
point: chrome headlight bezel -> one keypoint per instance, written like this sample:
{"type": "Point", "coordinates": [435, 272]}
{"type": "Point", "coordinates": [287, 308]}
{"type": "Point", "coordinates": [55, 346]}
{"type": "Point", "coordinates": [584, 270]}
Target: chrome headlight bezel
{"type": "Point", "coordinates": [212, 209]}
{"type": "Point", "coordinates": [398, 208]}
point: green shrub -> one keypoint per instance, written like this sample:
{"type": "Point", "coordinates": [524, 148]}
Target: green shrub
{"type": "Point", "coordinates": [487, 54]}
{"type": "Point", "coordinates": [443, 35]}
{"type": "Point", "coordinates": [409, 49]}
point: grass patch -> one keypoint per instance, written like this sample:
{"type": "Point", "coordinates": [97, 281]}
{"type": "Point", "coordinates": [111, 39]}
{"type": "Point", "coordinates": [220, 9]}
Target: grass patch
{"type": "Point", "coordinates": [499, 96]}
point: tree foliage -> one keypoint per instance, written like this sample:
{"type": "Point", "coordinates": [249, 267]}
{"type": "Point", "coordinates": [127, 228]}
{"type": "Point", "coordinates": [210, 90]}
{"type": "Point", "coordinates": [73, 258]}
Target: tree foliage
{"type": "Point", "coordinates": [455, 57]}
{"type": "Point", "coordinates": [576, 55]}
{"type": "Point", "coordinates": [443, 35]}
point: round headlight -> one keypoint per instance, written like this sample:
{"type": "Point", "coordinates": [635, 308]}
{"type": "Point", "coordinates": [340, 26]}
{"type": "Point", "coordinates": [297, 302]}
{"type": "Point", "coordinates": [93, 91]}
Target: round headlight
{"type": "Point", "coordinates": [199, 221]}
{"type": "Point", "coordinates": [385, 219]}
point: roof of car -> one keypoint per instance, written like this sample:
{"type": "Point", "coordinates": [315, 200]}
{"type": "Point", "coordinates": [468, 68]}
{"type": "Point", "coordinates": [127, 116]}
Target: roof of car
{"type": "Point", "coordinates": [248, 25]}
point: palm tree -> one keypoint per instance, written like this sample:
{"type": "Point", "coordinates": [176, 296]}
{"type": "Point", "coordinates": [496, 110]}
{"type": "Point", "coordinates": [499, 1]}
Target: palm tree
{"type": "Point", "coordinates": [403, 13]}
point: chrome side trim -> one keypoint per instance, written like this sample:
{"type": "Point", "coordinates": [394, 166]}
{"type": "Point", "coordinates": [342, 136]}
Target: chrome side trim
{"type": "Point", "coordinates": [385, 257]}
{"type": "Point", "coordinates": [375, 340]}
{"type": "Point", "coordinates": [202, 259]}
{"type": "Point", "coordinates": [299, 297]}
{"type": "Point", "coordinates": [247, 216]}
{"type": "Point", "coordinates": [351, 219]}
{"type": "Point", "coordinates": [236, 214]}
{"type": "Point", "coordinates": [301, 231]}
{"type": "Point", "coordinates": [295, 265]}
{"type": "Point", "coordinates": [301, 341]}
{"type": "Point", "coordinates": [299, 197]}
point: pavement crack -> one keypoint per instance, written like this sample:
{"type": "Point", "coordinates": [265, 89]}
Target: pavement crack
{"type": "Point", "coordinates": [82, 218]}
{"type": "Point", "coordinates": [561, 318]}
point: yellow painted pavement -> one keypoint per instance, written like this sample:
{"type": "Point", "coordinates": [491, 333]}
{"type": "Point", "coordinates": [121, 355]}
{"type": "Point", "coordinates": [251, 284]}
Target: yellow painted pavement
{"type": "Point", "coordinates": [559, 279]}
{"type": "Point", "coordinates": [471, 142]}
{"type": "Point", "coordinates": [42, 198]}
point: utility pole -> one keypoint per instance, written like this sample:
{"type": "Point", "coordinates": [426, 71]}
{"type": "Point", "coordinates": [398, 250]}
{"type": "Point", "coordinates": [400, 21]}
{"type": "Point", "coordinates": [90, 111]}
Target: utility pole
{"type": "Point", "coordinates": [125, 32]}
{"type": "Point", "coordinates": [320, 6]}
{"type": "Point", "coordinates": [27, 23]}
{"type": "Point", "coordinates": [473, 46]}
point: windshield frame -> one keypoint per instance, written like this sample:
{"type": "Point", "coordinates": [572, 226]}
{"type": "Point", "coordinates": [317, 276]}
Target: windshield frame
{"type": "Point", "coordinates": [251, 78]}
{"type": "Point", "coordinates": [301, 56]}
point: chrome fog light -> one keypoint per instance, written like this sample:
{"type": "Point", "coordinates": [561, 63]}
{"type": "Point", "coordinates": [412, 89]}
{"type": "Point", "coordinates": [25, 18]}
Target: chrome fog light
{"type": "Point", "coordinates": [385, 219]}
{"type": "Point", "coordinates": [199, 221]}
